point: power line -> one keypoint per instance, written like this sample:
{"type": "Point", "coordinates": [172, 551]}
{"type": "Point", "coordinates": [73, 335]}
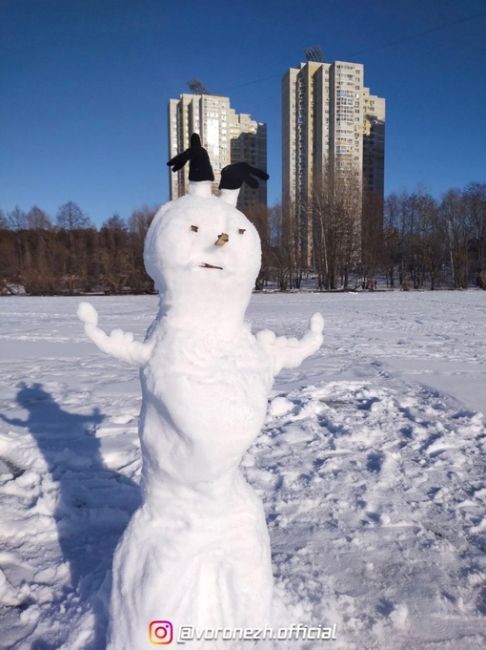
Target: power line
{"type": "Point", "coordinates": [432, 30]}
{"type": "Point", "coordinates": [405, 39]}
{"type": "Point", "coordinates": [254, 81]}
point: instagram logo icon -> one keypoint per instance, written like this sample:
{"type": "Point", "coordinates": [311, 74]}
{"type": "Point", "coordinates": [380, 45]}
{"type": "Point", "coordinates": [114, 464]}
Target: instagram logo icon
{"type": "Point", "coordinates": [160, 632]}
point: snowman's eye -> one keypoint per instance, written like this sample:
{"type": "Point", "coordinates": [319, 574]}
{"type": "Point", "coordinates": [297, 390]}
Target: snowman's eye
{"type": "Point", "coordinates": [194, 228]}
{"type": "Point", "coordinates": [242, 231]}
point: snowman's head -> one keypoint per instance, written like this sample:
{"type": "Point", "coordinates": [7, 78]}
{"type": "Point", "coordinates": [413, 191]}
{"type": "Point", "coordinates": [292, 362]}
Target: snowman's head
{"type": "Point", "coordinates": [202, 251]}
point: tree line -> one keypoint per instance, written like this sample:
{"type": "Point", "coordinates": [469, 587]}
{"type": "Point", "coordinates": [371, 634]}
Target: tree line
{"type": "Point", "coordinates": [409, 241]}
{"type": "Point", "coordinates": [72, 256]}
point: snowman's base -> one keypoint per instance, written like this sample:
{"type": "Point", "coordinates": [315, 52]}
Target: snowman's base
{"type": "Point", "coordinates": [196, 556]}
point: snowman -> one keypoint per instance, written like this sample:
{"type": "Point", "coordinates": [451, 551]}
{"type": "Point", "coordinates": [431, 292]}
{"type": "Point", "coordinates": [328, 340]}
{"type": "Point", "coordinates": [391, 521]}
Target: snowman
{"type": "Point", "coordinates": [197, 551]}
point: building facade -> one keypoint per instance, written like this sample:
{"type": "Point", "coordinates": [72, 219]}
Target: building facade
{"type": "Point", "coordinates": [228, 137]}
{"type": "Point", "coordinates": [373, 144]}
{"type": "Point", "coordinates": [333, 136]}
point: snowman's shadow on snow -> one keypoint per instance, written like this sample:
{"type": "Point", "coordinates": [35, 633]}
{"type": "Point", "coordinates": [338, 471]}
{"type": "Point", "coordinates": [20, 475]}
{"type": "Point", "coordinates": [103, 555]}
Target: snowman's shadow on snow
{"type": "Point", "coordinates": [94, 505]}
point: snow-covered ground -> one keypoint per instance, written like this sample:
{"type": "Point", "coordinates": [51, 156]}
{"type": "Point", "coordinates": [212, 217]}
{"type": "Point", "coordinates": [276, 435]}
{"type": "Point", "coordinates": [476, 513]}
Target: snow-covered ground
{"type": "Point", "coordinates": [371, 467]}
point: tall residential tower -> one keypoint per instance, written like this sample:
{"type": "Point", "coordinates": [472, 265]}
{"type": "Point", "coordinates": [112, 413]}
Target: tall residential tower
{"type": "Point", "coordinates": [228, 137]}
{"type": "Point", "coordinates": [332, 132]}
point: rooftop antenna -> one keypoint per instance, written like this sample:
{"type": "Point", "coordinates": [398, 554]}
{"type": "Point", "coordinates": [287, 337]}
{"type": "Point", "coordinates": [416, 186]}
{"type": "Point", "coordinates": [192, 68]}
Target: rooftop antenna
{"type": "Point", "coordinates": [314, 53]}
{"type": "Point", "coordinates": [197, 87]}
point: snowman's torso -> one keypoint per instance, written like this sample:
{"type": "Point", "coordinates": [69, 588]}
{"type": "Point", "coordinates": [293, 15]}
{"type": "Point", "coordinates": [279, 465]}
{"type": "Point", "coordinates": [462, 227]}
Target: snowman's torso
{"type": "Point", "coordinates": [205, 402]}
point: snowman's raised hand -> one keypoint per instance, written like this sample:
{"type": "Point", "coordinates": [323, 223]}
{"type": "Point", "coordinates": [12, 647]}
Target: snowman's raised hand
{"type": "Point", "coordinates": [118, 344]}
{"type": "Point", "coordinates": [290, 352]}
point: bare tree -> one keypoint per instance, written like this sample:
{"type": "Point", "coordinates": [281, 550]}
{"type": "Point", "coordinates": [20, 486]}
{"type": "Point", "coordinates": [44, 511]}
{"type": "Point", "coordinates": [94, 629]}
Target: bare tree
{"type": "Point", "coordinates": [4, 225]}
{"type": "Point", "coordinates": [289, 244]}
{"type": "Point", "coordinates": [38, 219]}
{"type": "Point", "coordinates": [259, 216]}
{"type": "Point", "coordinates": [140, 220]}
{"type": "Point", "coordinates": [475, 204]}
{"type": "Point", "coordinates": [71, 217]}
{"type": "Point", "coordinates": [281, 260]}
{"type": "Point", "coordinates": [336, 215]}
{"type": "Point", "coordinates": [17, 219]}
{"type": "Point", "coordinates": [115, 269]}
{"type": "Point", "coordinates": [459, 234]}
{"type": "Point", "coordinates": [431, 249]}
{"type": "Point", "coordinates": [372, 237]}
{"type": "Point", "coordinates": [115, 222]}
{"type": "Point", "coordinates": [138, 224]}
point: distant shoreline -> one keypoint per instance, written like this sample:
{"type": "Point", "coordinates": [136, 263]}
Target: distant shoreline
{"type": "Point", "coordinates": [255, 291]}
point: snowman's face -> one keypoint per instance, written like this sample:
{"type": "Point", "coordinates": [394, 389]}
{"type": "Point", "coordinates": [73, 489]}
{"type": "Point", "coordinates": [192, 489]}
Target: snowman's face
{"type": "Point", "coordinates": [202, 244]}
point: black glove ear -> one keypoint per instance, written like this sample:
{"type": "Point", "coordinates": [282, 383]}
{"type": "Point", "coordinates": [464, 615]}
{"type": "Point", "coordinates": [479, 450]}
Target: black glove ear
{"type": "Point", "coordinates": [178, 162]}
{"type": "Point", "coordinates": [260, 173]}
{"type": "Point", "coordinates": [199, 167]}
{"type": "Point", "coordinates": [252, 182]}
{"type": "Point", "coordinates": [233, 176]}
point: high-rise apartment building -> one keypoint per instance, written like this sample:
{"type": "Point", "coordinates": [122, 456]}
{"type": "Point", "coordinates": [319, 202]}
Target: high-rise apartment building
{"type": "Point", "coordinates": [228, 137]}
{"type": "Point", "coordinates": [332, 133]}
{"type": "Point", "coordinates": [373, 144]}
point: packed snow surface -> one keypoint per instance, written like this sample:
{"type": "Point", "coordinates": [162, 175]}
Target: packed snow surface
{"type": "Point", "coordinates": [371, 467]}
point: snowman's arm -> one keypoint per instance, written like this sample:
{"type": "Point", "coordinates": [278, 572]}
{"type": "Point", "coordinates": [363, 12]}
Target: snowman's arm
{"type": "Point", "coordinates": [290, 353]}
{"type": "Point", "coordinates": [16, 422]}
{"type": "Point", "coordinates": [118, 344]}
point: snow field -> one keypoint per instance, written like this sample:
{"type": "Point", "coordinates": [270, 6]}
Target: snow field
{"type": "Point", "coordinates": [371, 468]}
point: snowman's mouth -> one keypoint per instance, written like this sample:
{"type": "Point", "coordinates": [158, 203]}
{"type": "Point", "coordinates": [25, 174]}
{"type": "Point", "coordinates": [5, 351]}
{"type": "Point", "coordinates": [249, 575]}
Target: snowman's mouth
{"type": "Point", "coordinates": [205, 265]}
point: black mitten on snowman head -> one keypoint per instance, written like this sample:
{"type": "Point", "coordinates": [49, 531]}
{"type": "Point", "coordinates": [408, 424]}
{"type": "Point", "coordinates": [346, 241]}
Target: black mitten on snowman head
{"type": "Point", "coordinates": [199, 166]}
{"type": "Point", "coordinates": [233, 176]}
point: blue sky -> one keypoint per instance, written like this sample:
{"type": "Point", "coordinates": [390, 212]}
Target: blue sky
{"type": "Point", "coordinates": [84, 86]}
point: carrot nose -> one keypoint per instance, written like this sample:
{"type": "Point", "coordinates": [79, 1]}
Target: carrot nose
{"type": "Point", "coordinates": [222, 239]}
